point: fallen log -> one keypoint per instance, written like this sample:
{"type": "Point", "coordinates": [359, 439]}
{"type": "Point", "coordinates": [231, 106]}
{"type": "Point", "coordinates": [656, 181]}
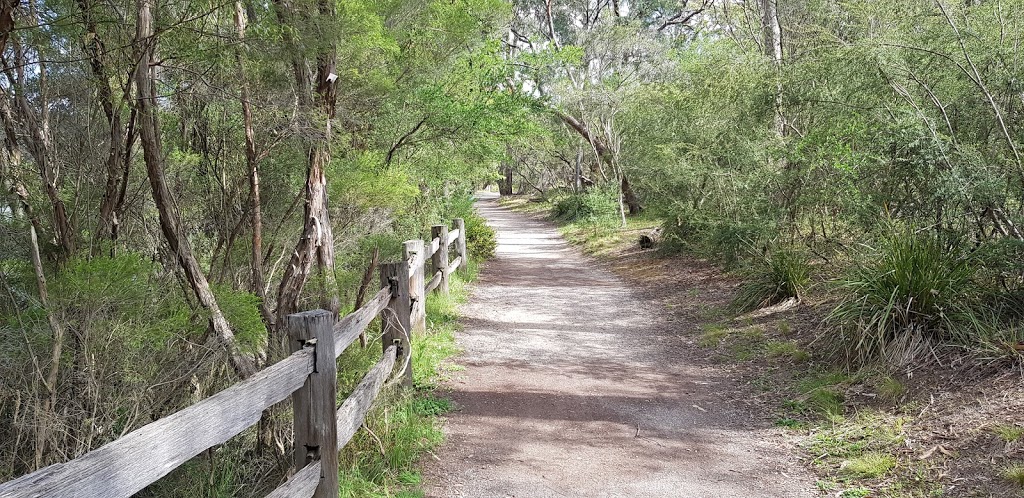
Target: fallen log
{"type": "Point", "coordinates": [650, 238]}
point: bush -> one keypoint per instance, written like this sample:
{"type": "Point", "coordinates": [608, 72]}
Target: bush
{"type": "Point", "coordinates": [905, 296]}
{"type": "Point", "coordinates": [481, 240]}
{"type": "Point", "coordinates": [588, 206]}
{"type": "Point", "coordinates": [725, 241]}
{"type": "Point", "coordinates": [779, 276]}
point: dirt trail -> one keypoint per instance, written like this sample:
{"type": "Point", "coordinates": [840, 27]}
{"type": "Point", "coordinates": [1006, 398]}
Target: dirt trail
{"type": "Point", "coordinates": [574, 386]}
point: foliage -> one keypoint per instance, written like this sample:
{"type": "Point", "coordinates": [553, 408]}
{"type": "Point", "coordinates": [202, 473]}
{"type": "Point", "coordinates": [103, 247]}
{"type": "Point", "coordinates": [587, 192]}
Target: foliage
{"type": "Point", "coordinates": [593, 205]}
{"type": "Point", "coordinates": [481, 239]}
{"type": "Point", "coordinates": [242, 310]}
{"type": "Point", "coordinates": [908, 294]}
{"type": "Point", "coordinates": [869, 465]}
{"type": "Point", "coordinates": [780, 275]}
{"type": "Point", "coordinates": [417, 120]}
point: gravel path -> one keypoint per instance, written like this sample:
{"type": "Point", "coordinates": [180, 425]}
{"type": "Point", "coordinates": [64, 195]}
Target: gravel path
{"type": "Point", "coordinates": [573, 386]}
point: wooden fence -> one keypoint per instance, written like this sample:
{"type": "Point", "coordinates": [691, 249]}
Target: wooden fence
{"type": "Point", "coordinates": [125, 466]}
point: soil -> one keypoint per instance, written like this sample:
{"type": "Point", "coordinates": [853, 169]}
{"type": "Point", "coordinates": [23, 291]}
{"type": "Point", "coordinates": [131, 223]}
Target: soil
{"type": "Point", "coordinates": [579, 383]}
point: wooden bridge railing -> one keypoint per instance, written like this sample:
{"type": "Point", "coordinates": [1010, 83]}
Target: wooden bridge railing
{"type": "Point", "coordinates": [125, 466]}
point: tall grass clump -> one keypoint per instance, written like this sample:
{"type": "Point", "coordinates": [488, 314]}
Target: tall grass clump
{"type": "Point", "coordinates": [906, 296]}
{"type": "Point", "coordinates": [780, 275]}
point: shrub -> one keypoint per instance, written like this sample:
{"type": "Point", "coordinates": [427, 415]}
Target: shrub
{"type": "Point", "coordinates": [725, 241]}
{"type": "Point", "coordinates": [481, 240]}
{"type": "Point", "coordinates": [729, 241]}
{"type": "Point", "coordinates": [904, 296]}
{"type": "Point", "coordinates": [779, 276]}
{"type": "Point", "coordinates": [588, 206]}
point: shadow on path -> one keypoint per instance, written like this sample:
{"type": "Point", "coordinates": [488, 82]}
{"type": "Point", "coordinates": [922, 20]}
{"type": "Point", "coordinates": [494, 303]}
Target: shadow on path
{"type": "Point", "coordinates": [573, 387]}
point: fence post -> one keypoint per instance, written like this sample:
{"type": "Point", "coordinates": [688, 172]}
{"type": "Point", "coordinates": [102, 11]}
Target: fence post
{"type": "Point", "coordinates": [315, 404]}
{"type": "Point", "coordinates": [396, 322]}
{"type": "Point", "coordinates": [460, 244]}
{"type": "Point", "coordinates": [413, 251]}
{"type": "Point", "coordinates": [440, 258]}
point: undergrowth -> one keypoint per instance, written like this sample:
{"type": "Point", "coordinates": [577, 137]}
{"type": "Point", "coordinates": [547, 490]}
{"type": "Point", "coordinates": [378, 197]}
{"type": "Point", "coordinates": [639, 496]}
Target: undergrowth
{"type": "Point", "coordinates": [778, 276]}
{"type": "Point", "coordinates": [906, 296]}
{"type": "Point", "coordinates": [380, 461]}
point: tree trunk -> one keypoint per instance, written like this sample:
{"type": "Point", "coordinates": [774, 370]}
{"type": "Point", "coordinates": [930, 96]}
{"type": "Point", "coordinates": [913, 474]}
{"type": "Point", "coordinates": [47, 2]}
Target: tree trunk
{"type": "Point", "coordinates": [629, 197]}
{"type": "Point", "coordinates": [150, 133]}
{"type": "Point", "coordinates": [604, 155]}
{"type": "Point", "coordinates": [37, 132]}
{"type": "Point", "coordinates": [772, 33]}
{"type": "Point", "coordinates": [316, 105]}
{"type": "Point", "coordinates": [251, 161]}
{"type": "Point", "coordinates": [115, 164]}
{"type": "Point", "coordinates": [48, 403]}
{"type": "Point", "coordinates": [505, 185]}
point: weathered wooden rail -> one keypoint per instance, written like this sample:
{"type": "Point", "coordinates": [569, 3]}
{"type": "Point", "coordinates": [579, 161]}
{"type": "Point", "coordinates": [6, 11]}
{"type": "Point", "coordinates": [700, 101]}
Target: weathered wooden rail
{"type": "Point", "coordinates": [125, 466]}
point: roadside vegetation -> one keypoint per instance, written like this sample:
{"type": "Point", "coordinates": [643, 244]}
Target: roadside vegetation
{"type": "Point", "coordinates": [870, 370]}
{"type": "Point", "coordinates": [851, 172]}
{"type": "Point", "coordinates": [404, 426]}
{"type": "Point", "coordinates": [177, 177]}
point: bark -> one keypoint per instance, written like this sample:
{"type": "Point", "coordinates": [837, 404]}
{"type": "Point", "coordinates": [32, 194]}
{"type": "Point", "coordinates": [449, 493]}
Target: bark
{"type": "Point", "coordinates": [129, 142]}
{"type": "Point", "coordinates": [371, 269]}
{"type": "Point", "coordinates": [316, 243]}
{"type": "Point", "coordinates": [37, 133]}
{"type": "Point", "coordinates": [49, 401]}
{"type": "Point", "coordinates": [169, 223]}
{"type": "Point", "coordinates": [772, 32]}
{"type": "Point", "coordinates": [629, 197]}
{"type": "Point", "coordinates": [606, 156]}
{"type": "Point", "coordinates": [505, 185]}
{"type": "Point", "coordinates": [115, 164]}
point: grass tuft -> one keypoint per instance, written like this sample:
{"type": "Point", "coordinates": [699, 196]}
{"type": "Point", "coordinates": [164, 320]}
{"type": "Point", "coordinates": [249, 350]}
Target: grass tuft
{"type": "Point", "coordinates": [1014, 474]}
{"type": "Point", "coordinates": [781, 275]}
{"type": "Point", "coordinates": [855, 493]}
{"type": "Point", "coordinates": [891, 389]}
{"type": "Point", "coordinates": [902, 298]}
{"type": "Point", "coordinates": [868, 466]}
{"type": "Point", "coordinates": [787, 350]}
{"type": "Point", "coordinates": [1008, 432]}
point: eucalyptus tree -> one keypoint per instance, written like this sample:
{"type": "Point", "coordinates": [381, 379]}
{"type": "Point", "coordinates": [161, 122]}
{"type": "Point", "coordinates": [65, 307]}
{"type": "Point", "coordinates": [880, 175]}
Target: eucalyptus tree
{"type": "Point", "coordinates": [179, 175]}
{"type": "Point", "coordinates": [584, 60]}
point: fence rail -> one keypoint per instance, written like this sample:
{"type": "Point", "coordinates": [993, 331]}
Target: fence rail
{"type": "Point", "coordinates": [308, 375]}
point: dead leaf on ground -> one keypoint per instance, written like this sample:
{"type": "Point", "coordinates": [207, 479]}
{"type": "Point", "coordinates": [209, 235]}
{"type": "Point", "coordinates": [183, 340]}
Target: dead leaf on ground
{"type": "Point", "coordinates": [931, 452]}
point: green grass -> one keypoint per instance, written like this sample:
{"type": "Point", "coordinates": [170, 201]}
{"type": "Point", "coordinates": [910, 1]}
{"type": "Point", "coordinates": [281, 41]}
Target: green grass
{"type": "Point", "coordinates": [381, 460]}
{"type": "Point", "coordinates": [789, 423]}
{"type": "Point", "coordinates": [858, 447]}
{"type": "Point", "coordinates": [713, 334]}
{"type": "Point", "coordinates": [855, 493]}
{"type": "Point", "coordinates": [742, 343]}
{"type": "Point", "coordinates": [868, 466]}
{"type": "Point", "coordinates": [787, 350]}
{"type": "Point", "coordinates": [891, 389]}
{"type": "Point", "coordinates": [1009, 433]}
{"type": "Point", "coordinates": [1014, 474]}
{"type": "Point", "coordinates": [821, 394]}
